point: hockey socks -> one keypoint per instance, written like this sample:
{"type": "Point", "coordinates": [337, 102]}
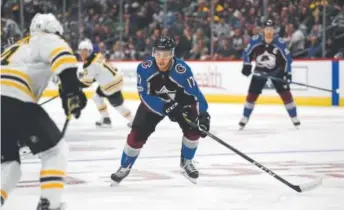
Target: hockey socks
{"type": "Point", "coordinates": [291, 109]}
{"type": "Point", "coordinates": [10, 175]}
{"type": "Point", "coordinates": [290, 106]}
{"type": "Point", "coordinates": [129, 156]}
{"type": "Point", "coordinates": [249, 105]}
{"type": "Point", "coordinates": [248, 108]}
{"type": "Point", "coordinates": [125, 112]}
{"type": "Point", "coordinates": [101, 105]}
{"type": "Point", "coordinates": [189, 148]}
{"type": "Point", "coordinates": [128, 159]}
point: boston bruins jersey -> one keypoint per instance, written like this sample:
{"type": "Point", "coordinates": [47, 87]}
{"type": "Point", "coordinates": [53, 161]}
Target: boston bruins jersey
{"type": "Point", "coordinates": [106, 75]}
{"type": "Point", "coordinates": [27, 66]}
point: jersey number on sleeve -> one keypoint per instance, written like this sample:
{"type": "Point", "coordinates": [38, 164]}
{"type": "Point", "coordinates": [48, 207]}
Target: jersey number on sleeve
{"type": "Point", "coordinates": [191, 82]}
{"type": "Point", "coordinates": [5, 56]}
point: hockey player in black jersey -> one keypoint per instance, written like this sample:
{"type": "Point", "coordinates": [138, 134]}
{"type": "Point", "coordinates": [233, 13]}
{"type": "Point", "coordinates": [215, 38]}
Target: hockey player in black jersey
{"type": "Point", "coordinates": [273, 59]}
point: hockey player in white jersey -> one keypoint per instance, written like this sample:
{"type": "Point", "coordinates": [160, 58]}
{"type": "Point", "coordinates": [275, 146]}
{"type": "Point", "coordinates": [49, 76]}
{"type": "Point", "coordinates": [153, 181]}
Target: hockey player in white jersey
{"type": "Point", "coordinates": [26, 68]}
{"type": "Point", "coordinates": [110, 81]}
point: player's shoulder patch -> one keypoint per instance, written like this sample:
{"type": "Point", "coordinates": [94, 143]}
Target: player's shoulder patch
{"type": "Point", "coordinates": [147, 64]}
{"type": "Point", "coordinates": [255, 37]}
{"type": "Point", "coordinates": [281, 40]}
{"type": "Point", "coordinates": [180, 68]}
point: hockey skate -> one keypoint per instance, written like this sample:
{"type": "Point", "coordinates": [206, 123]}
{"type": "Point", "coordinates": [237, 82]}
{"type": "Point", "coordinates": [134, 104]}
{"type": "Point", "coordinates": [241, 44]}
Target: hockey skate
{"type": "Point", "coordinates": [44, 205]}
{"type": "Point", "coordinates": [243, 122]}
{"type": "Point", "coordinates": [296, 122]}
{"type": "Point", "coordinates": [104, 122]}
{"type": "Point", "coordinates": [120, 174]}
{"type": "Point", "coordinates": [189, 170]}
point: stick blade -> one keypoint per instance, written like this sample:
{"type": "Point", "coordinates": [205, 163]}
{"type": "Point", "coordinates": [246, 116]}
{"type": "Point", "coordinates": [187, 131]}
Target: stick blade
{"type": "Point", "coordinates": [311, 185]}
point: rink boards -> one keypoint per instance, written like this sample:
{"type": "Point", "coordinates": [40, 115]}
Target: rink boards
{"type": "Point", "coordinates": [222, 82]}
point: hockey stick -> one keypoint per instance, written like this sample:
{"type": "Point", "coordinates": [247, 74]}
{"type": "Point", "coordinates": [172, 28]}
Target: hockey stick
{"type": "Point", "coordinates": [63, 132]}
{"type": "Point", "coordinates": [295, 83]}
{"type": "Point", "coordinates": [297, 188]}
{"type": "Point", "coordinates": [48, 100]}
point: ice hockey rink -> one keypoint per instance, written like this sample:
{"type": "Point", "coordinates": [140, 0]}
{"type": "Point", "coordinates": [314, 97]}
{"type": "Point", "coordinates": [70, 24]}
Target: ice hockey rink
{"type": "Point", "coordinates": [227, 181]}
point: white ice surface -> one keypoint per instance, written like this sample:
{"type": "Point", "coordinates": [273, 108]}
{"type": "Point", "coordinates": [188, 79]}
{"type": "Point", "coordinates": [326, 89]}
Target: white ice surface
{"type": "Point", "coordinates": [227, 181]}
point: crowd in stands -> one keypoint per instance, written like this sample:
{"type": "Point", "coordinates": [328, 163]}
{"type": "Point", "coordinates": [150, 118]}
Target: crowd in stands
{"type": "Point", "coordinates": [130, 37]}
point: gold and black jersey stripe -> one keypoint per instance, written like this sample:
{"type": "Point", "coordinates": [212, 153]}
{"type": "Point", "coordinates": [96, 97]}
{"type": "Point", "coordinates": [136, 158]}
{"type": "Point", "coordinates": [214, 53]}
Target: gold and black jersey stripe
{"type": "Point", "coordinates": [52, 179]}
{"type": "Point", "coordinates": [114, 85]}
{"type": "Point", "coordinates": [18, 80]}
{"type": "Point", "coordinates": [94, 57]}
{"type": "Point", "coordinates": [60, 56]}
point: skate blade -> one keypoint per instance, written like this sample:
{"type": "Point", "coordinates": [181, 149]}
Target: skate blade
{"type": "Point", "coordinates": [114, 184]}
{"type": "Point", "coordinates": [192, 180]}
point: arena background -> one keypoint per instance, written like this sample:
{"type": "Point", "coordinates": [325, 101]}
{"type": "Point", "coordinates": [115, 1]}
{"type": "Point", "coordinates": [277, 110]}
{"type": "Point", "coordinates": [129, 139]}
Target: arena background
{"type": "Point", "coordinates": [209, 34]}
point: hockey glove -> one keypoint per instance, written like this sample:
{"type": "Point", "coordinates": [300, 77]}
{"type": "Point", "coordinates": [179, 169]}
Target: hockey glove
{"type": "Point", "coordinates": [174, 111]}
{"type": "Point", "coordinates": [246, 69]}
{"type": "Point", "coordinates": [287, 77]}
{"type": "Point", "coordinates": [204, 122]}
{"type": "Point", "coordinates": [73, 99]}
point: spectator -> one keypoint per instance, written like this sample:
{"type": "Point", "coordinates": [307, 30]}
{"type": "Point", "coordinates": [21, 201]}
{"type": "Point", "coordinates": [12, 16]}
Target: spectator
{"type": "Point", "coordinates": [224, 51]}
{"type": "Point", "coordinates": [189, 21]}
{"type": "Point", "coordinates": [238, 43]}
{"type": "Point", "coordinates": [295, 39]}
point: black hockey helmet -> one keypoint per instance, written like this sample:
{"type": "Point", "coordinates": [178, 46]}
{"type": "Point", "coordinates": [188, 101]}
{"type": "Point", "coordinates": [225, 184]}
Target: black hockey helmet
{"type": "Point", "coordinates": [164, 43]}
{"type": "Point", "coordinates": [269, 23]}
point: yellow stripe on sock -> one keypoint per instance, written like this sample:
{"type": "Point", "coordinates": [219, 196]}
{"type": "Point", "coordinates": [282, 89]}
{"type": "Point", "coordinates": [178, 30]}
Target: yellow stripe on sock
{"type": "Point", "coordinates": [56, 185]}
{"type": "Point", "coordinates": [52, 172]}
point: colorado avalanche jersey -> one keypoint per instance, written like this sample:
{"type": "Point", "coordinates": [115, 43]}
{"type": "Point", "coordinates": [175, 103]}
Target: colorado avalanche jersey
{"type": "Point", "coordinates": [157, 88]}
{"type": "Point", "coordinates": [268, 57]}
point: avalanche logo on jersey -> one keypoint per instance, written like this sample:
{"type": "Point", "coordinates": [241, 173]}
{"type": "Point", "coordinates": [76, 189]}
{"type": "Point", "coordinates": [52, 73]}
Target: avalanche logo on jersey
{"type": "Point", "coordinates": [146, 64]}
{"type": "Point", "coordinates": [266, 60]}
{"type": "Point", "coordinates": [166, 94]}
{"type": "Point", "coordinates": [180, 68]}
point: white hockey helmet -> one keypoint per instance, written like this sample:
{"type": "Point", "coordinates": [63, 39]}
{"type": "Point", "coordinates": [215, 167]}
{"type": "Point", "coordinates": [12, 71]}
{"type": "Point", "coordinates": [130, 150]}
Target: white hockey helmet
{"type": "Point", "coordinates": [86, 45]}
{"type": "Point", "coordinates": [45, 23]}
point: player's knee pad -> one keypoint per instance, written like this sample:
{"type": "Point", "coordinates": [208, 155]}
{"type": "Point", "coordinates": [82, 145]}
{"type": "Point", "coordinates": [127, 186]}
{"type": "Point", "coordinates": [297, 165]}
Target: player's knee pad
{"type": "Point", "coordinates": [286, 97]}
{"type": "Point", "coordinates": [252, 97]}
{"type": "Point", "coordinates": [138, 137]}
{"type": "Point", "coordinates": [116, 99]}
{"type": "Point", "coordinates": [55, 157]}
{"type": "Point", "coordinates": [10, 175]}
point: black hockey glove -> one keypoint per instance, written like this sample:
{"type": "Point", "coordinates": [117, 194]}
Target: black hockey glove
{"type": "Point", "coordinates": [174, 111]}
{"type": "Point", "coordinates": [204, 122]}
{"type": "Point", "coordinates": [73, 99]}
{"type": "Point", "coordinates": [246, 69]}
{"type": "Point", "coordinates": [287, 77]}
